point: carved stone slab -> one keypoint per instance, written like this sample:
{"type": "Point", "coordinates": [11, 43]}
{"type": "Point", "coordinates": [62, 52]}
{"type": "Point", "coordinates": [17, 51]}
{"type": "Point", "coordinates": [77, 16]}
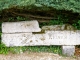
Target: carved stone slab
{"type": "Point", "coordinates": [47, 38]}
{"type": "Point", "coordinates": [23, 26]}
{"type": "Point", "coordinates": [20, 39]}
{"type": "Point", "coordinates": [64, 37]}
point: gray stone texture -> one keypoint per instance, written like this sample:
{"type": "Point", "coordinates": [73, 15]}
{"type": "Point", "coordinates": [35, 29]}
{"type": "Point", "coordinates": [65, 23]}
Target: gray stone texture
{"type": "Point", "coordinates": [47, 38]}
{"type": "Point", "coordinates": [20, 27]}
{"type": "Point", "coordinates": [68, 50]}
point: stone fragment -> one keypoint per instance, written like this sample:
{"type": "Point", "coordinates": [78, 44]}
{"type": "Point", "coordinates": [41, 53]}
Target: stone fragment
{"type": "Point", "coordinates": [42, 39]}
{"type": "Point", "coordinates": [24, 39]}
{"type": "Point", "coordinates": [18, 39]}
{"type": "Point", "coordinates": [63, 37]}
{"type": "Point", "coordinates": [68, 50]}
{"type": "Point", "coordinates": [52, 27]}
{"type": "Point", "coordinates": [58, 27]}
{"type": "Point", "coordinates": [23, 26]}
{"type": "Point", "coordinates": [47, 38]}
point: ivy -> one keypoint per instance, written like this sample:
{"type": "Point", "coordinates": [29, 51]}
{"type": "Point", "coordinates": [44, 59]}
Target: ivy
{"type": "Point", "coordinates": [73, 5]}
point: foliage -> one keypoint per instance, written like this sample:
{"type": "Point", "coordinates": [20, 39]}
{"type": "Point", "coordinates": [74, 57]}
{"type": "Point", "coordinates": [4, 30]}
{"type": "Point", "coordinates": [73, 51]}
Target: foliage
{"type": "Point", "coordinates": [62, 4]}
{"type": "Point", "coordinates": [17, 50]}
{"type": "Point", "coordinates": [3, 49]}
{"type": "Point", "coordinates": [52, 49]}
{"type": "Point", "coordinates": [59, 21]}
{"type": "Point", "coordinates": [18, 18]}
{"type": "Point", "coordinates": [12, 3]}
{"type": "Point", "coordinates": [77, 25]}
{"type": "Point", "coordinates": [73, 5]}
{"type": "Point", "coordinates": [56, 22]}
{"type": "Point", "coordinates": [6, 50]}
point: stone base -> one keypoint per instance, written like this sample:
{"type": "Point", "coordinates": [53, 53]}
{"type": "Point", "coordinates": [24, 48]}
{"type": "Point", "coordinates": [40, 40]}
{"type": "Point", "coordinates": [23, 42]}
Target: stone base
{"type": "Point", "coordinates": [68, 50]}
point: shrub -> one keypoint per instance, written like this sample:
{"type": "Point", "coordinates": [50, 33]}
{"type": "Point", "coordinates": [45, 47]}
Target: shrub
{"type": "Point", "coordinates": [73, 5]}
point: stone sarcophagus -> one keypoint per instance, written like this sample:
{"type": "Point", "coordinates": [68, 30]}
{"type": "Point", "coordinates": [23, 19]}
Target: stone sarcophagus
{"type": "Point", "coordinates": [28, 33]}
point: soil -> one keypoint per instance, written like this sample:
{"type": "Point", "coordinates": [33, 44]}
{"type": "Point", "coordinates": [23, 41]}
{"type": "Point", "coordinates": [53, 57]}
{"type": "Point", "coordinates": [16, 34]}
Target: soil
{"type": "Point", "coordinates": [77, 51]}
{"type": "Point", "coordinates": [36, 56]}
{"type": "Point", "coordinates": [39, 56]}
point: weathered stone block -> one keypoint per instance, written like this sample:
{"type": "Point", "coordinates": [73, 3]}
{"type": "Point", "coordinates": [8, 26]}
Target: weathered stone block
{"type": "Point", "coordinates": [24, 39]}
{"type": "Point", "coordinates": [23, 26]}
{"type": "Point", "coordinates": [63, 37]}
{"type": "Point", "coordinates": [51, 28]}
{"type": "Point", "coordinates": [47, 38]}
{"type": "Point", "coordinates": [68, 50]}
{"type": "Point", "coordinates": [59, 27]}
{"type": "Point", "coordinates": [18, 39]}
{"type": "Point", "coordinates": [42, 39]}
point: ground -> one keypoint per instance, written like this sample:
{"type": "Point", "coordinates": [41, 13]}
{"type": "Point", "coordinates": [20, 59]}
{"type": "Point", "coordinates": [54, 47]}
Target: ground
{"type": "Point", "coordinates": [77, 51]}
{"type": "Point", "coordinates": [36, 56]}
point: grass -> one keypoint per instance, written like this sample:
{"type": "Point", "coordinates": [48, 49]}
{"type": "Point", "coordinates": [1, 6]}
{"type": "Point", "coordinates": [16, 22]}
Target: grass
{"type": "Point", "coordinates": [18, 18]}
{"type": "Point", "coordinates": [52, 49]}
{"type": "Point", "coordinates": [20, 49]}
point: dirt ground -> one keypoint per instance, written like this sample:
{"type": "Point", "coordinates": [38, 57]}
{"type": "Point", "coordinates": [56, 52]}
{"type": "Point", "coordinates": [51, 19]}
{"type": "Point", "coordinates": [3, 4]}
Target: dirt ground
{"type": "Point", "coordinates": [77, 51]}
{"type": "Point", "coordinates": [36, 56]}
